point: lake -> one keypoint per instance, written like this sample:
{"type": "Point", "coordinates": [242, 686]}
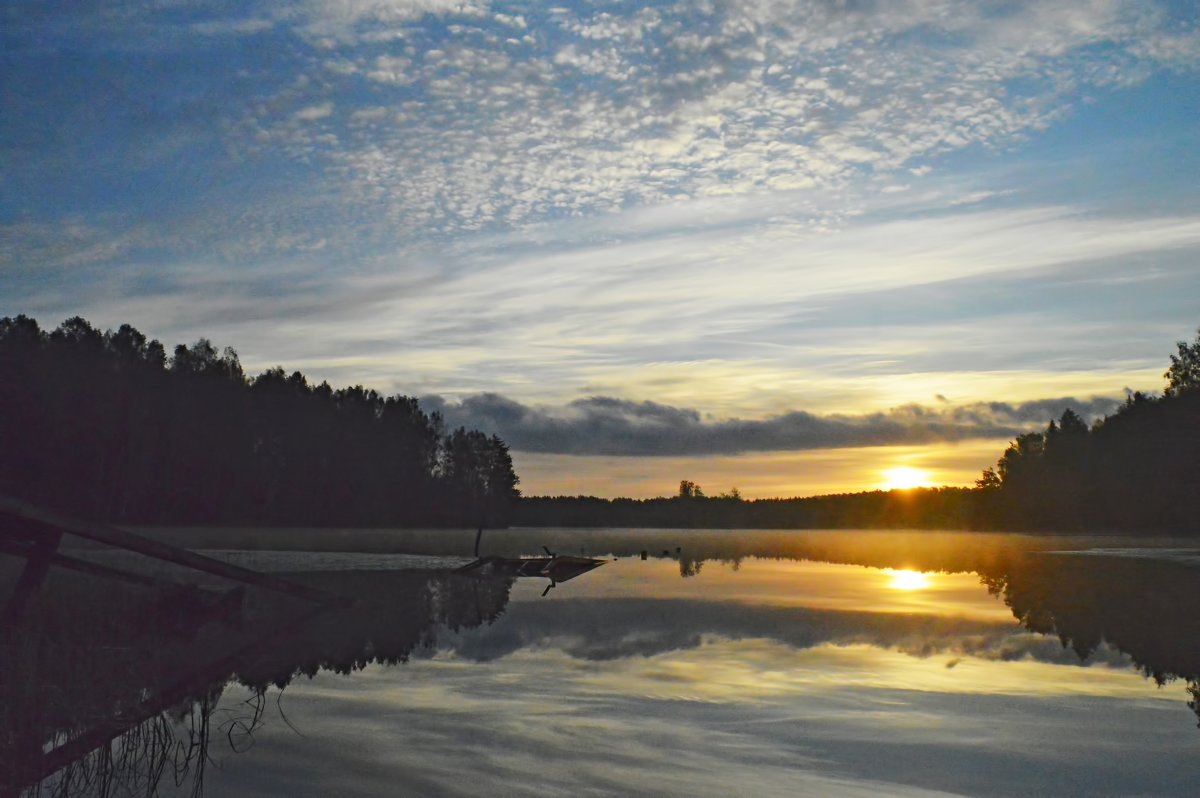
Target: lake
{"type": "Point", "coordinates": [690, 663]}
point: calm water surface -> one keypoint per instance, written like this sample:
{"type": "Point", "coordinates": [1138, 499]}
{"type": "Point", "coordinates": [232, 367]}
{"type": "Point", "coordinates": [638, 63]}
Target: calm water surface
{"type": "Point", "coordinates": [741, 664]}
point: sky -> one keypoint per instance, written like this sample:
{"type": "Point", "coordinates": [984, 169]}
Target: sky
{"type": "Point", "coordinates": [785, 247]}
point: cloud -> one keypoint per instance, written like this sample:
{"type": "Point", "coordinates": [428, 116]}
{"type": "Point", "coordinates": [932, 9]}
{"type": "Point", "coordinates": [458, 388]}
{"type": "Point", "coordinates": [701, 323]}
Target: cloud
{"type": "Point", "coordinates": [608, 629]}
{"type": "Point", "coordinates": [601, 425]}
{"type": "Point", "coordinates": [233, 27]}
{"type": "Point", "coordinates": [645, 200]}
{"type": "Point", "coordinates": [313, 112]}
{"type": "Point", "coordinates": [699, 306]}
{"type": "Point", "coordinates": [574, 110]}
{"type": "Point", "coordinates": [478, 117]}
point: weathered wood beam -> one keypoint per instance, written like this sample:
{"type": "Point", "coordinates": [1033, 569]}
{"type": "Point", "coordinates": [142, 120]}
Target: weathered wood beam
{"type": "Point", "coordinates": [123, 539]}
{"type": "Point", "coordinates": [60, 560]}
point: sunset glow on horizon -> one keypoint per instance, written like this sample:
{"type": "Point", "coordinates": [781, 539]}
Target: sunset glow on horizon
{"type": "Point", "coordinates": [904, 477]}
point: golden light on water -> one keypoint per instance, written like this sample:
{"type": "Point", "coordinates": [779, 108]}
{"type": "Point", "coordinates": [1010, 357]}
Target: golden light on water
{"type": "Point", "coordinates": [902, 477]}
{"type": "Point", "coordinates": [785, 583]}
{"type": "Point", "coordinates": [908, 580]}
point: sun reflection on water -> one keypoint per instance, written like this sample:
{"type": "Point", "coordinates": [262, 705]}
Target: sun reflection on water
{"type": "Point", "coordinates": [789, 583]}
{"type": "Point", "coordinates": [906, 579]}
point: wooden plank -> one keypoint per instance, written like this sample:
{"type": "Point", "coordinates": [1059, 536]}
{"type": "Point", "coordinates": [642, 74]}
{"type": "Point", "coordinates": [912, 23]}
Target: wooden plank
{"type": "Point", "coordinates": [60, 560]}
{"type": "Point", "coordinates": [113, 536]}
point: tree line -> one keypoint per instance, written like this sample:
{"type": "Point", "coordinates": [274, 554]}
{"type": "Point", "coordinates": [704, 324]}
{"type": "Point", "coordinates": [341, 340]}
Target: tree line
{"type": "Point", "coordinates": [918, 508]}
{"type": "Point", "coordinates": [108, 426]}
{"type": "Point", "coordinates": [1137, 470]}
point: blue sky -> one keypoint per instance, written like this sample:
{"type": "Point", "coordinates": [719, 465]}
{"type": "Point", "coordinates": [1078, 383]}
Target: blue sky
{"type": "Point", "coordinates": [636, 226]}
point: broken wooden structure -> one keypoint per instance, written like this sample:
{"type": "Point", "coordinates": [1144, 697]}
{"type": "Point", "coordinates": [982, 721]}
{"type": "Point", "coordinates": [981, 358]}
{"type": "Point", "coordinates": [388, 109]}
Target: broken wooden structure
{"type": "Point", "coordinates": [35, 534]}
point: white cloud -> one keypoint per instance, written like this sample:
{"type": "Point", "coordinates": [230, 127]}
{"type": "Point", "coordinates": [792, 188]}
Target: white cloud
{"type": "Point", "coordinates": [1179, 49]}
{"type": "Point", "coordinates": [312, 113]}
{"type": "Point", "coordinates": [233, 27]}
{"type": "Point", "coordinates": [343, 19]}
{"type": "Point", "coordinates": [597, 111]}
{"type": "Point", "coordinates": [391, 69]}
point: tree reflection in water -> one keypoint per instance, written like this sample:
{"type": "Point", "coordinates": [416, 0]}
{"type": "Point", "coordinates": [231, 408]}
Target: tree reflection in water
{"type": "Point", "coordinates": [99, 697]}
{"type": "Point", "coordinates": [1143, 606]}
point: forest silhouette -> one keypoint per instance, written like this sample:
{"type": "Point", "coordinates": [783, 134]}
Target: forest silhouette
{"type": "Point", "coordinates": [107, 426]}
{"type": "Point", "coordinates": [1135, 470]}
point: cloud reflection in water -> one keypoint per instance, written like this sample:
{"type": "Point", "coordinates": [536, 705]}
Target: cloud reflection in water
{"type": "Point", "coordinates": [782, 678]}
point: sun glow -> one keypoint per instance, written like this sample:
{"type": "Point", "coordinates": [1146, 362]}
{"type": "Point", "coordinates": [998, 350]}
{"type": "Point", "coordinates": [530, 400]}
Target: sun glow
{"type": "Point", "coordinates": [903, 477]}
{"type": "Point", "coordinates": [908, 580]}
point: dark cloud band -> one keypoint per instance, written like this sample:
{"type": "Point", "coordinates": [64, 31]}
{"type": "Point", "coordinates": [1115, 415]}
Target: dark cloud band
{"type": "Point", "coordinates": [602, 425]}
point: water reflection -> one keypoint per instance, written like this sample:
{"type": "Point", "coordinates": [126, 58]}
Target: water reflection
{"type": "Point", "coordinates": [95, 690]}
{"type": "Point", "coordinates": [806, 583]}
{"type": "Point", "coordinates": [1095, 600]}
{"type": "Point", "coordinates": [905, 579]}
{"type": "Point", "coordinates": [809, 650]}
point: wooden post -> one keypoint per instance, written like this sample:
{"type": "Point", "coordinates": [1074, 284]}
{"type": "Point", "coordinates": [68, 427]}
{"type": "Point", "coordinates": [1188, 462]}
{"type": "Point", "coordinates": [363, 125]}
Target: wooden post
{"type": "Point", "coordinates": [37, 564]}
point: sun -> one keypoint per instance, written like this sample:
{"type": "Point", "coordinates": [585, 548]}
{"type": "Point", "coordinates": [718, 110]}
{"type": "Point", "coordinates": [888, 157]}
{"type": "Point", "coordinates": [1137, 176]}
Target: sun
{"type": "Point", "coordinates": [903, 477]}
{"type": "Point", "coordinates": [908, 580]}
